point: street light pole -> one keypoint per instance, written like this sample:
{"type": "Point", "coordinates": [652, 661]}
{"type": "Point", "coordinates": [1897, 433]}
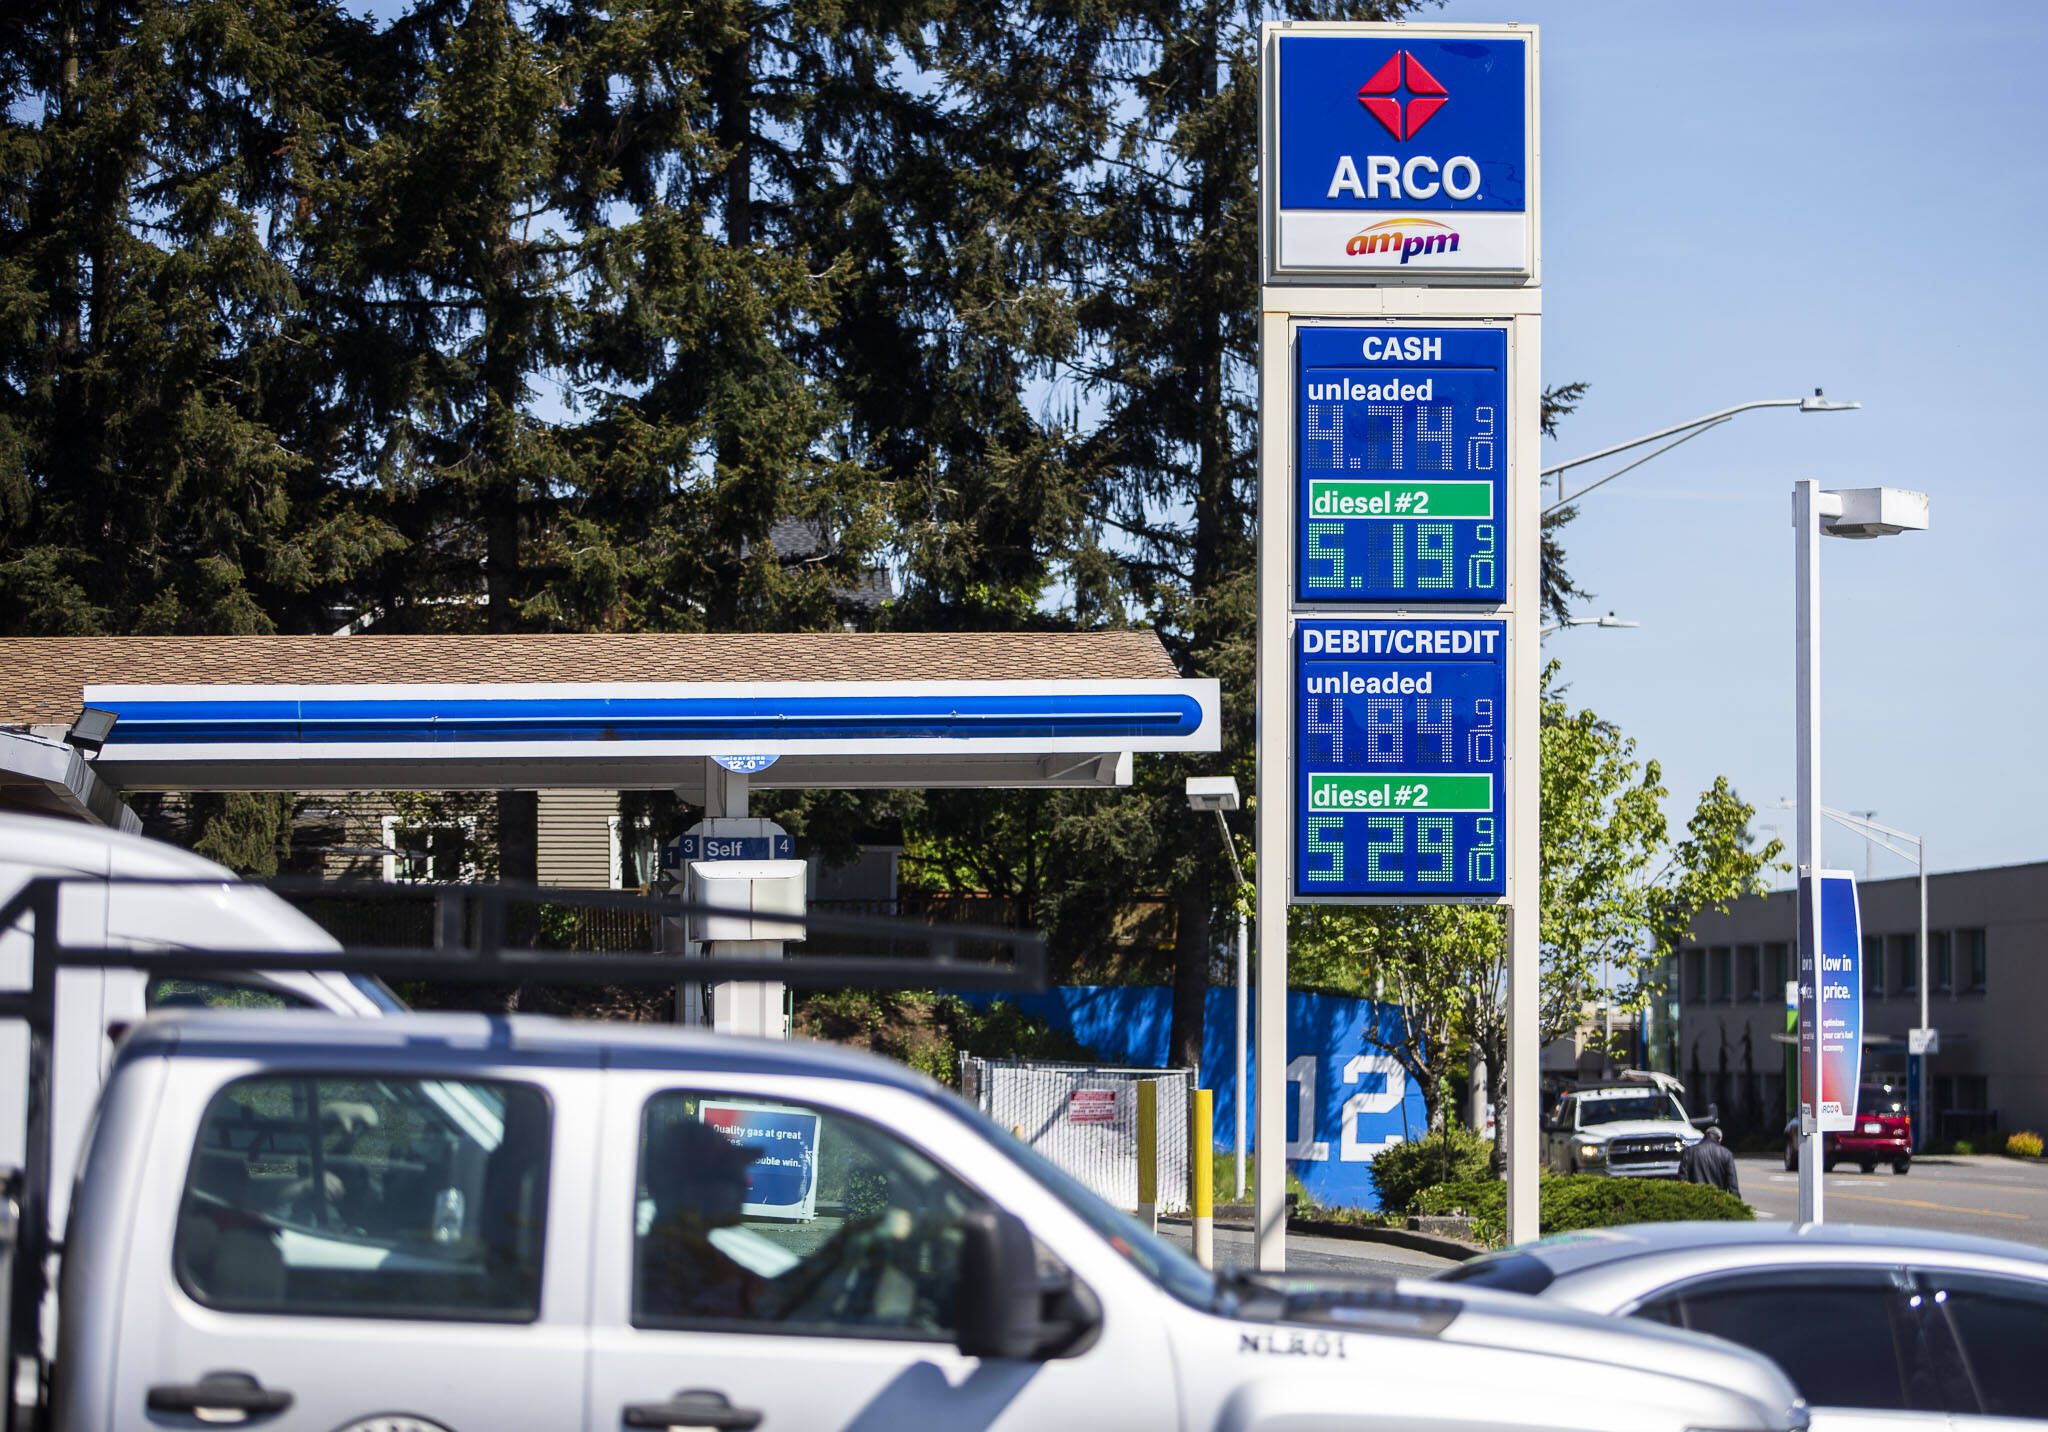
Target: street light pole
{"type": "Point", "coordinates": [1610, 620]}
{"type": "Point", "coordinates": [1852, 512]}
{"type": "Point", "coordinates": [1219, 793]}
{"type": "Point", "coordinates": [1678, 433]}
{"type": "Point", "coordinates": [1806, 857]}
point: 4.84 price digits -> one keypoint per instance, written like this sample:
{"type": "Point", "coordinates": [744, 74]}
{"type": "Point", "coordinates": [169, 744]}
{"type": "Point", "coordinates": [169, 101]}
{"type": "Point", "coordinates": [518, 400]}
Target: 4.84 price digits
{"type": "Point", "coordinates": [1387, 731]}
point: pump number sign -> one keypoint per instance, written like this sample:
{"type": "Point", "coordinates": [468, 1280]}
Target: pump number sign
{"type": "Point", "coordinates": [1401, 469]}
{"type": "Point", "coordinates": [1400, 742]}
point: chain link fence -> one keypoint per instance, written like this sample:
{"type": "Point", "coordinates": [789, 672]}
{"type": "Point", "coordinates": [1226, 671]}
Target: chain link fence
{"type": "Point", "coordinates": [1084, 1117]}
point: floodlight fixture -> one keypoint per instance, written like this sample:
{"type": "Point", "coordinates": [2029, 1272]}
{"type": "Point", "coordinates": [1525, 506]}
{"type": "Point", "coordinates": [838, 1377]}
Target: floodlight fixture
{"type": "Point", "coordinates": [91, 730]}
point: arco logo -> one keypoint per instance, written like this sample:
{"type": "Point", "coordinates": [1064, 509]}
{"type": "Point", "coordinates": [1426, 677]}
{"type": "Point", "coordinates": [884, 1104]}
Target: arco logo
{"type": "Point", "coordinates": [1382, 95]}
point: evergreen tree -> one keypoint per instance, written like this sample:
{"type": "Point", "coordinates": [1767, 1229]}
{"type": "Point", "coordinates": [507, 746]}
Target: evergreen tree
{"type": "Point", "coordinates": [148, 307]}
{"type": "Point", "coordinates": [1171, 314]}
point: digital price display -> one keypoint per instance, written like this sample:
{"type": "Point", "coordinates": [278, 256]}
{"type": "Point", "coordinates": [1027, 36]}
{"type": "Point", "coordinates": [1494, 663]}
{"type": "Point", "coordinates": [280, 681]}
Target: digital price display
{"type": "Point", "coordinates": [1400, 740]}
{"type": "Point", "coordinates": [1401, 472]}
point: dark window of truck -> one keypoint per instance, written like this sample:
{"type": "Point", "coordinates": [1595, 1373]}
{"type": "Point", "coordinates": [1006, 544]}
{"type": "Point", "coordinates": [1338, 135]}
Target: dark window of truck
{"type": "Point", "coordinates": [779, 1217]}
{"type": "Point", "coordinates": [357, 1196]}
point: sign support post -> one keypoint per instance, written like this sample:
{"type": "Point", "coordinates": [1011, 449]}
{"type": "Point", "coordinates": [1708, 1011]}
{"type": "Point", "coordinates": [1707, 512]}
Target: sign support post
{"type": "Point", "coordinates": [1399, 515]}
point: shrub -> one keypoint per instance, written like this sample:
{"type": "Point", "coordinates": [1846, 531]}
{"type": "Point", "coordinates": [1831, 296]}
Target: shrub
{"type": "Point", "coordinates": [1965, 1147]}
{"type": "Point", "coordinates": [1484, 1200]}
{"type": "Point", "coordinates": [1584, 1201]}
{"type": "Point", "coordinates": [2024, 1145]}
{"type": "Point", "coordinates": [1403, 1170]}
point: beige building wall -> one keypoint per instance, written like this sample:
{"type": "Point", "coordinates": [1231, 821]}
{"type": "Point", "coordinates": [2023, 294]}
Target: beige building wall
{"type": "Point", "coordinates": [575, 838]}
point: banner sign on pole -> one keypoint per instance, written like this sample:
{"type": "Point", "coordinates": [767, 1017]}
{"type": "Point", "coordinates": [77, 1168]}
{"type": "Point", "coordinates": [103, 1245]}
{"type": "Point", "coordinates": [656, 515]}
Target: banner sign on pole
{"type": "Point", "coordinates": [1831, 1005]}
{"type": "Point", "coordinates": [1403, 156]}
{"type": "Point", "coordinates": [1399, 759]}
{"type": "Point", "coordinates": [1401, 477]}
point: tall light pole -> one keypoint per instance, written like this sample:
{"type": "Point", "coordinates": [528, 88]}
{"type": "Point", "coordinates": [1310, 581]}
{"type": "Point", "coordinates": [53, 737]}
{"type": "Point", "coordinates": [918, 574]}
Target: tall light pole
{"type": "Point", "coordinates": [1678, 433]}
{"type": "Point", "coordinates": [1852, 512]}
{"type": "Point", "coordinates": [1219, 793]}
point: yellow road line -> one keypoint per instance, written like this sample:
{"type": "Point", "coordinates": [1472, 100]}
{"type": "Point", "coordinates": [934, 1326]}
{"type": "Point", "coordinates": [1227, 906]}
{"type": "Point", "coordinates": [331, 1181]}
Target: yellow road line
{"type": "Point", "coordinates": [1935, 1207]}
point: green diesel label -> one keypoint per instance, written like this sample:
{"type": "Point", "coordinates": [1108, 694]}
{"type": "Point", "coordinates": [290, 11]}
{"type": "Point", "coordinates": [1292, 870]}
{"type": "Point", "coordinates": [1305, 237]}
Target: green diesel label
{"type": "Point", "coordinates": [1440, 794]}
{"type": "Point", "coordinates": [1373, 498]}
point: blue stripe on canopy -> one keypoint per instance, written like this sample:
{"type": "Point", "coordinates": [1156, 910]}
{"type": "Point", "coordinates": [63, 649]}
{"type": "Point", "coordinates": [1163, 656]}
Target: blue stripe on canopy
{"type": "Point", "coordinates": [214, 721]}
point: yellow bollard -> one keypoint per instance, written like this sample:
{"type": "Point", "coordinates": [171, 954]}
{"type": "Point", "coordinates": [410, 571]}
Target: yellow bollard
{"type": "Point", "coordinates": [1202, 1174]}
{"type": "Point", "coordinates": [1148, 1153]}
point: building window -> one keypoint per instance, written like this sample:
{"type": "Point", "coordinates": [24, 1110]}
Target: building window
{"type": "Point", "coordinates": [1720, 974]}
{"type": "Point", "coordinates": [1873, 966]}
{"type": "Point", "coordinates": [635, 853]}
{"type": "Point", "coordinates": [1749, 973]}
{"type": "Point", "coordinates": [1941, 957]}
{"type": "Point", "coordinates": [1696, 975]}
{"type": "Point", "coordinates": [428, 852]}
{"type": "Point", "coordinates": [1903, 952]}
{"type": "Point", "coordinates": [1778, 959]}
{"type": "Point", "coordinates": [1970, 955]}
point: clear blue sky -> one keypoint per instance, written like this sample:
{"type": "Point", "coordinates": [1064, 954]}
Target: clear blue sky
{"type": "Point", "coordinates": [1748, 201]}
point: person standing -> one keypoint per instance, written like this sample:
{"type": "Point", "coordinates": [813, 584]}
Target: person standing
{"type": "Point", "coordinates": [1709, 1162]}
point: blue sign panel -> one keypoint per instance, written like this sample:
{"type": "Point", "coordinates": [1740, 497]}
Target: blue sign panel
{"type": "Point", "coordinates": [1399, 755]}
{"type": "Point", "coordinates": [1404, 153]}
{"type": "Point", "coordinates": [1370, 122]}
{"type": "Point", "coordinates": [728, 847]}
{"type": "Point", "coordinates": [783, 1177]}
{"type": "Point", "coordinates": [1401, 473]}
{"type": "Point", "coordinates": [1831, 1004]}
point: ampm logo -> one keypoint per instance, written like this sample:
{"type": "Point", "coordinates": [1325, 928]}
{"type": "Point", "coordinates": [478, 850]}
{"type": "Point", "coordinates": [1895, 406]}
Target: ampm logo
{"type": "Point", "coordinates": [1408, 237]}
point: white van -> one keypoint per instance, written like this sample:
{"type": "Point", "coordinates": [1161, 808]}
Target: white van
{"type": "Point", "coordinates": [94, 1006]}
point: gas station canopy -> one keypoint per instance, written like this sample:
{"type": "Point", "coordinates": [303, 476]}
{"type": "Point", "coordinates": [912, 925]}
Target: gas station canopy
{"type": "Point", "coordinates": [614, 711]}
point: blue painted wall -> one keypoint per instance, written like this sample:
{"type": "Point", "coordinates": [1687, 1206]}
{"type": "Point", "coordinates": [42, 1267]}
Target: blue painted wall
{"type": "Point", "coordinates": [1341, 1078]}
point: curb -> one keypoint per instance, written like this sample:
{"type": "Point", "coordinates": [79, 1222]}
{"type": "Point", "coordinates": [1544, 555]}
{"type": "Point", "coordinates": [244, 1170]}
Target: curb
{"type": "Point", "coordinates": [1415, 1242]}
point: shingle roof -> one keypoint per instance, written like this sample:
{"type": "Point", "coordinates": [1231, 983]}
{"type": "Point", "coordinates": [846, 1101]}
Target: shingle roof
{"type": "Point", "coordinates": [42, 678]}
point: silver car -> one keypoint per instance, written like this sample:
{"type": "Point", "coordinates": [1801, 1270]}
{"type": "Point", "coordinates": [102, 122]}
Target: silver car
{"type": "Point", "coordinates": [1878, 1327]}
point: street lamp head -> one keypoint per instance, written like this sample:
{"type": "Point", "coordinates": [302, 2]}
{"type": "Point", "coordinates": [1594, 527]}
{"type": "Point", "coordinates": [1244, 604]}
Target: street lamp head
{"type": "Point", "coordinates": [1819, 404]}
{"type": "Point", "coordinates": [1872, 512]}
{"type": "Point", "coordinates": [1212, 792]}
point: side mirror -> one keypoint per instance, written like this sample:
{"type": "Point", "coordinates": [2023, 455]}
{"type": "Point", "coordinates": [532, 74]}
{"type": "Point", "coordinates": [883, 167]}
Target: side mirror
{"type": "Point", "coordinates": [1006, 1307]}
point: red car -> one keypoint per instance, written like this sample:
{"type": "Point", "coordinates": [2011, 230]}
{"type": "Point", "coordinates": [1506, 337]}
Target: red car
{"type": "Point", "coordinates": [1883, 1133]}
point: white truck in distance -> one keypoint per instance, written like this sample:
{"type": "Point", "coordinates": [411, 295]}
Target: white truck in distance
{"type": "Point", "coordinates": [105, 907]}
{"type": "Point", "coordinates": [450, 1223]}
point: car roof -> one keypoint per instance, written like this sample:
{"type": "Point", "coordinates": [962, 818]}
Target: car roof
{"type": "Point", "coordinates": [1567, 1253]}
{"type": "Point", "coordinates": [305, 1037]}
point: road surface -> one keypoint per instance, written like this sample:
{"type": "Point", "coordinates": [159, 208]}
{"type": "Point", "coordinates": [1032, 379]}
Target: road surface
{"type": "Point", "coordinates": [1986, 1195]}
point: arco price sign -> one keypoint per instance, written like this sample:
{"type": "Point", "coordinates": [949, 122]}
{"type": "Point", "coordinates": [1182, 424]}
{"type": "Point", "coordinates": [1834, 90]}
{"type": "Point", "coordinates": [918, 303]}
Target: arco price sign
{"type": "Point", "coordinates": [1400, 759]}
{"type": "Point", "coordinates": [1400, 465]}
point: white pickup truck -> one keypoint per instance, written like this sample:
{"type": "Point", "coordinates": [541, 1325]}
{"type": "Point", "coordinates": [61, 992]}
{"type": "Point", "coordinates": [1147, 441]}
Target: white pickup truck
{"type": "Point", "coordinates": [467, 1224]}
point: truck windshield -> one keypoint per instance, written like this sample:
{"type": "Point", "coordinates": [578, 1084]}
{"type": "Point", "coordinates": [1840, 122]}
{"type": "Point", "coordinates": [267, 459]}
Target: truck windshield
{"type": "Point", "coordinates": [1150, 1254]}
{"type": "Point", "coordinates": [1625, 1107]}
